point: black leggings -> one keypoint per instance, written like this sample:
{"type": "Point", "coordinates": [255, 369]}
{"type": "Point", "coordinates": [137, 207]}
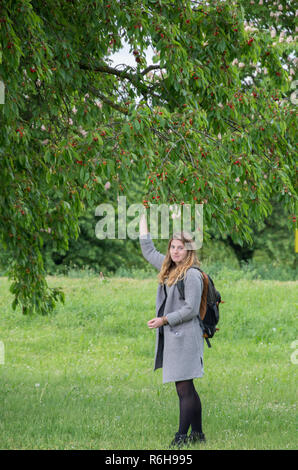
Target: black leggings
{"type": "Point", "coordinates": [190, 407]}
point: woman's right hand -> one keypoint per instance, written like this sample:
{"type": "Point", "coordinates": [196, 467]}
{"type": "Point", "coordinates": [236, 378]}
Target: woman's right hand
{"type": "Point", "coordinates": [156, 322]}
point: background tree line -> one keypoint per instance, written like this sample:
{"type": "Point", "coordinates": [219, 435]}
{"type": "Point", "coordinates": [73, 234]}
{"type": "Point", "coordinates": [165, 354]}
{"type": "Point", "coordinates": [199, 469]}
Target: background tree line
{"type": "Point", "coordinates": [273, 245]}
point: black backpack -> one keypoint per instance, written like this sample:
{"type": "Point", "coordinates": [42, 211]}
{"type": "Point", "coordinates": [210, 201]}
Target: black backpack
{"type": "Point", "coordinates": [209, 311]}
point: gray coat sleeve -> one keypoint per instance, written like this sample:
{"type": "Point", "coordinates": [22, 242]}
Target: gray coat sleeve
{"type": "Point", "coordinates": [193, 288]}
{"type": "Point", "coordinates": [149, 251]}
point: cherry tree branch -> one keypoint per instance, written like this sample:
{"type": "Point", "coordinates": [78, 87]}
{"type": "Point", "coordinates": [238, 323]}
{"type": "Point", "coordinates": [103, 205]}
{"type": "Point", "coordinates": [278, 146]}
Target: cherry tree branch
{"type": "Point", "coordinates": [149, 68]}
{"type": "Point", "coordinates": [134, 79]}
{"type": "Point", "coordinates": [107, 101]}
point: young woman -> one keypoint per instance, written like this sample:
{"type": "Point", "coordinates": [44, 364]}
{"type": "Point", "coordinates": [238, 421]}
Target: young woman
{"type": "Point", "coordinates": [179, 337]}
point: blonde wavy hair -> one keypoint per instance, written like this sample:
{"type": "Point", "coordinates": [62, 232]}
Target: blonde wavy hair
{"type": "Point", "coordinates": [170, 272]}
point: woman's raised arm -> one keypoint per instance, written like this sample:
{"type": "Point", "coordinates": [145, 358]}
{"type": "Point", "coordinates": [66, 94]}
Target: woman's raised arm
{"type": "Point", "coordinates": [143, 225]}
{"type": "Point", "coordinates": [147, 246]}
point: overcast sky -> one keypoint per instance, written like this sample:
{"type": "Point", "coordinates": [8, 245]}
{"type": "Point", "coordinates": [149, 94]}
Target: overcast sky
{"type": "Point", "coordinates": [127, 58]}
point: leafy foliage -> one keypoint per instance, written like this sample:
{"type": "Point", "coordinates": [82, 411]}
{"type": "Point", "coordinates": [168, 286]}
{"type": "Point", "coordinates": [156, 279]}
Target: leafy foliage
{"type": "Point", "coordinates": [211, 121]}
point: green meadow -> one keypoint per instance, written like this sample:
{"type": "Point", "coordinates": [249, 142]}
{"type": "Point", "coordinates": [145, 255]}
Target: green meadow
{"type": "Point", "coordinates": [82, 378]}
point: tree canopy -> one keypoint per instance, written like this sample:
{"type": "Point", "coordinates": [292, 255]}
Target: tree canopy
{"type": "Point", "coordinates": [211, 120]}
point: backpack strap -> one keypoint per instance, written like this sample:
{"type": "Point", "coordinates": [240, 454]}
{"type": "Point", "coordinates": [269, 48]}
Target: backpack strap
{"type": "Point", "coordinates": [203, 305]}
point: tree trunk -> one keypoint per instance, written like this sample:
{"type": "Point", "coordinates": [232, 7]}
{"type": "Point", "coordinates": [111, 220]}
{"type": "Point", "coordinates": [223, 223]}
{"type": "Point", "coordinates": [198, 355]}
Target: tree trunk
{"type": "Point", "coordinates": [243, 253]}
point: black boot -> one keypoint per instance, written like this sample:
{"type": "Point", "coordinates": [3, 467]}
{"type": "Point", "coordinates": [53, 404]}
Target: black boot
{"type": "Point", "coordinates": [196, 437]}
{"type": "Point", "coordinates": [179, 440]}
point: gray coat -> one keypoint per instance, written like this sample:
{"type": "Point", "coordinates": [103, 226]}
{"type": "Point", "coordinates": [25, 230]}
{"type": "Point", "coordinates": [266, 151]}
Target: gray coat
{"type": "Point", "coordinates": [183, 337]}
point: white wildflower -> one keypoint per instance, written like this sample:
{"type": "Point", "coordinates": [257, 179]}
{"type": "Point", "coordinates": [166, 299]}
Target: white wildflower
{"type": "Point", "coordinates": [82, 131]}
{"type": "Point", "coordinates": [273, 33]}
{"type": "Point", "coordinates": [98, 103]}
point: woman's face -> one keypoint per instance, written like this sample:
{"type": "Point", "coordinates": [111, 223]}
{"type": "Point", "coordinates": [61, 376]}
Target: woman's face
{"type": "Point", "coordinates": [177, 251]}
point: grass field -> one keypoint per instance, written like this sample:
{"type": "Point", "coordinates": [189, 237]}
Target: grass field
{"type": "Point", "coordinates": [83, 377]}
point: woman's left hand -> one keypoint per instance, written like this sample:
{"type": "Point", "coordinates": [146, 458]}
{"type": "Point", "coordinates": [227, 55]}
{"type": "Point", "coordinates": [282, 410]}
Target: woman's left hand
{"type": "Point", "coordinates": [155, 322]}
